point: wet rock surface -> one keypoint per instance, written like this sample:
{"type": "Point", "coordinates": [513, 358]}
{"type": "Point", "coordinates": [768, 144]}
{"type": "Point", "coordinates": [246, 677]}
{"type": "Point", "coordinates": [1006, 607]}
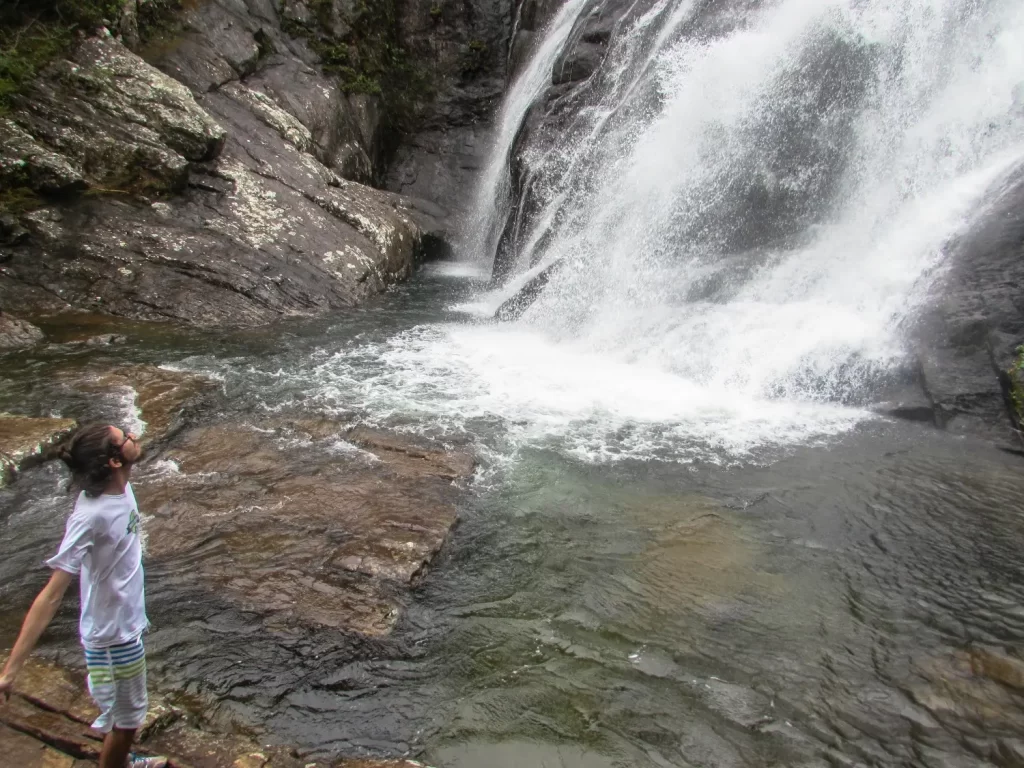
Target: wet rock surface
{"type": "Point", "coordinates": [231, 203]}
{"type": "Point", "coordinates": [465, 44]}
{"type": "Point", "coordinates": [16, 333]}
{"type": "Point", "coordinates": [25, 441]}
{"type": "Point", "coordinates": [158, 395]}
{"type": "Point", "coordinates": [46, 725]}
{"type": "Point", "coordinates": [158, 398]}
{"type": "Point", "coordinates": [332, 526]}
{"type": "Point", "coordinates": [969, 338]}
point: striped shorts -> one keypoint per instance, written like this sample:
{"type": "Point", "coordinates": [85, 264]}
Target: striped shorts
{"type": "Point", "coordinates": [117, 683]}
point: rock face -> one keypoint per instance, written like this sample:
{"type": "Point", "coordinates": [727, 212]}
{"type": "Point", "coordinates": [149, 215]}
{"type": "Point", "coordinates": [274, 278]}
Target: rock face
{"type": "Point", "coordinates": [467, 43]}
{"type": "Point", "coordinates": [25, 441]}
{"type": "Point", "coordinates": [970, 338]}
{"type": "Point", "coordinates": [230, 203]}
{"type": "Point", "coordinates": [16, 333]}
{"type": "Point", "coordinates": [46, 725]}
{"type": "Point", "coordinates": [332, 530]}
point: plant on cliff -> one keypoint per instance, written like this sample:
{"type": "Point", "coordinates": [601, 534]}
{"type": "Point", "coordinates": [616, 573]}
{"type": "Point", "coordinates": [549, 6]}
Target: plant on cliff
{"type": "Point", "coordinates": [363, 48]}
{"type": "Point", "coordinates": [35, 32]}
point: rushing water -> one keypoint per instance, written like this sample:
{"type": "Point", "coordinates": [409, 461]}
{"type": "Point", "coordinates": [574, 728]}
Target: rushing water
{"type": "Point", "coordinates": [754, 206]}
{"type": "Point", "coordinates": [691, 542]}
{"type": "Point", "coordinates": [804, 603]}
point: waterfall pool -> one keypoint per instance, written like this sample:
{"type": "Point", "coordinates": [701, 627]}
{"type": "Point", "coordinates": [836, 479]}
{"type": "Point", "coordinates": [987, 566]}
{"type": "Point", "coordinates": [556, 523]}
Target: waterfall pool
{"type": "Point", "coordinates": [794, 583]}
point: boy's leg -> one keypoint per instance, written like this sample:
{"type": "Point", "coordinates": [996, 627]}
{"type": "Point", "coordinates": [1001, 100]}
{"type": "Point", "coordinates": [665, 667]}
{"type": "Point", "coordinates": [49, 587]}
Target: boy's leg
{"type": "Point", "coordinates": [116, 746]}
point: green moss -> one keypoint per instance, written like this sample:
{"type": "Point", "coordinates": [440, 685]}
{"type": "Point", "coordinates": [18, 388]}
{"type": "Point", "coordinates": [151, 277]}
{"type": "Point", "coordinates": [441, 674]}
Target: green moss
{"type": "Point", "coordinates": [368, 57]}
{"type": "Point", "coordinates": [18, 200]}
{"type": "Point", "coordinates": [35, 32]}
{"type": "Point", "coordinates": [436, 11]}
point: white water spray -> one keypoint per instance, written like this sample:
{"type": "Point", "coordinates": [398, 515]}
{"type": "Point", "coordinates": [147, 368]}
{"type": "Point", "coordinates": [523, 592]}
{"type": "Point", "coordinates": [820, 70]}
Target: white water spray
{"type": "Point", "coordinates": [493, 194]}
{"type": "Point", "coordinates": [745, 219]}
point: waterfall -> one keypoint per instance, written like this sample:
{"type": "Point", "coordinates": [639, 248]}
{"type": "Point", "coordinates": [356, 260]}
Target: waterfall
{"type": "Point", "coordinates": [757, 202]}
{"type": "Point", "coordinates": [493, 195]}
{"type": "Point", "coordinates": [736, 217]}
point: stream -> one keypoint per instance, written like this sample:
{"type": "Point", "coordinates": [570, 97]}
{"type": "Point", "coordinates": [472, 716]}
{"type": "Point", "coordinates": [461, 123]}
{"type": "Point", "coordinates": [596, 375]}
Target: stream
{"type": "Point", "coordinates": [640, 577]}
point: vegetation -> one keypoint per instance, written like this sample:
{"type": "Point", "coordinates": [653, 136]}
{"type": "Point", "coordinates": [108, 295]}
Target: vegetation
{"type": "Point", "coordinates": [365, 52]}
{"type": "Point", "coordinates": [34, 32]}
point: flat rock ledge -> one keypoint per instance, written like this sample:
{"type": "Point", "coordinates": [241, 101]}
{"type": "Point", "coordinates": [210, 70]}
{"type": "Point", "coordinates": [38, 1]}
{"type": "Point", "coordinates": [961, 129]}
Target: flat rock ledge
{"type": "Point", "coordinates": [46, 725]}
{"type": "Point", "coordinates": [334, 525]}
{"type": "Point", "coordinates": [25, 441]}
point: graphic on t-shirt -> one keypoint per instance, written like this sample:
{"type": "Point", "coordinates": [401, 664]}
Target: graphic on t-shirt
{"type": "Point", "coordinates": [133, 522]}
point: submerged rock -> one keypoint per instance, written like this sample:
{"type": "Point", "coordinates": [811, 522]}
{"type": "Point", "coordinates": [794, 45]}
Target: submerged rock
{"type": "Point", "coordinates": [155, 396]}
{"type": "Point", "coordinates": [25, 441]}
{"type": "Point", "coordinates": [46, 725]}
{"type": "Point", "coordinates": [16, 333]}
{"type": "Point", "coordinates": [330, 533]}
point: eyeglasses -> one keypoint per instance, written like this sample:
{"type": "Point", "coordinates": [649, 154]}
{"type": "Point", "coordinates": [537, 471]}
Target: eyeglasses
{"type": "Point", "coordinates": [128, 437]}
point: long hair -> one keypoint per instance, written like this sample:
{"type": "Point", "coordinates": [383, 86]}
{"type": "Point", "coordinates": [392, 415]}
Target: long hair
{"type": "Point", "coordinates": [87, 454]}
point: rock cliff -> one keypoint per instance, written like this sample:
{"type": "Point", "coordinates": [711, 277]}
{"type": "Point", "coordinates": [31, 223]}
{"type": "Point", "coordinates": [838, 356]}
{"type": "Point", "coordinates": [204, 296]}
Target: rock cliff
{"type": "Point", "coordinates": [219, 174]}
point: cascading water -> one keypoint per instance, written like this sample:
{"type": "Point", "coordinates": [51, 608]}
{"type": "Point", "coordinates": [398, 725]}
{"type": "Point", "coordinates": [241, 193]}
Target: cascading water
{"type": "Point", "coordinates": [754, 208]}
{"type": "Point", "coordinates": [746, 205]}
{"type": "Point", "coordinates": [493, 195]}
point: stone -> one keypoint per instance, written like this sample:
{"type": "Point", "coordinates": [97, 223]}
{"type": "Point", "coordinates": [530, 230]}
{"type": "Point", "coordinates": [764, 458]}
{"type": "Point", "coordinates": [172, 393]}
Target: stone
{"type": "Point", "coordinates": [24, 751]}
{"type": "Point", "coordinates": [970, 334]}
{"type": "Point", "coordinates": [332, 533]}
{"type": "Point", "coordinates": [258, 217]}
{"type": "Point", "coordinates": [157, 395]}
{"type": "Point", "coordinates": [115, 121]}
{"type": "Point", "coordinates": [25, 441]}
{"type": "Point", "coordinates": [16, 333]}
{"type": "Point", "coordinates": [998, 666]}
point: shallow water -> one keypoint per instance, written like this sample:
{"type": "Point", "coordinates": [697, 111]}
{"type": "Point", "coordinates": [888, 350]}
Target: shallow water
{"type": "Point", "coordinates": [633, 582]}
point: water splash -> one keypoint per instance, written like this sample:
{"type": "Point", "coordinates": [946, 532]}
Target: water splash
{"type": "Point", "coordinates": [758, 202]}
{"type": "Point", "coordinates": [493, 195]}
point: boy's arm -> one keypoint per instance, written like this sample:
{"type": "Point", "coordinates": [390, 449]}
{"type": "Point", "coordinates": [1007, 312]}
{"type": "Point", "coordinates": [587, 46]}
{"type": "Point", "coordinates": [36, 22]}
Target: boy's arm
{"type": "Point", "coordinates": [39, 616]}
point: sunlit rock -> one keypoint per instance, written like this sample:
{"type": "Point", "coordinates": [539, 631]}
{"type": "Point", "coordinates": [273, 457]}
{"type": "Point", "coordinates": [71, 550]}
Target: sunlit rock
{"type": "Point", "coordinates": [25, 441]}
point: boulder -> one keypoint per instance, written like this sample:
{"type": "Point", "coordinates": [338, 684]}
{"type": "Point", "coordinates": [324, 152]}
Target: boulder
{"type": "Point", "coordinates": [231, 210]}
{"type": "Point", "coordinates": [333, 525]}
{"type": "Point", "coordinates": [25, 441]}
{"type": "Point", "coordinates": [16, 333]}
{"type": "Point", "coordinates": [107, 119]}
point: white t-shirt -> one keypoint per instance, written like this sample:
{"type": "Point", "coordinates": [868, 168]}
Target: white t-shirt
{"type": "Point", "coordinates": [102, 546]}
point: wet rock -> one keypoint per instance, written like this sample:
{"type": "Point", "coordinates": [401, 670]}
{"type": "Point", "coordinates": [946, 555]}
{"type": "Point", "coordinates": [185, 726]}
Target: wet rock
{"type": "Point", "coordinates": [969, 337]}
{"type": "Point", "coordinates": [156, 394]}
{"type": "Point", "coordinates": [234, 209]}
{"type": "Point", "coordinates": [25, 441]}
{"type": "Point", "coordinates": [46, 725]}
{"type": "Point", "coordinates": [105, 340]}
{"type": "Point", "coordinates": [464, 50]}
{"type": "Point", "coordinates": [998, 666]}
{"type": "Point", "coordinates": [16, 333]}
{"type": "Point", "coordinates": [587, 46]}
{"type": "Point", "coordinates": [533, 16]}
{"type": "Point", "coordinates": [968, 692]}
{"type": "Point", "coordinates": [331, 533]}
{"type": "Point", "coordinates": [513, 307]}
{"type": "Point", "coordinates": [115, 121]}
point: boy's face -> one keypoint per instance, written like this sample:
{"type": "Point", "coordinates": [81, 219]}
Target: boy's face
{"type": "Point", "coordinates": [128, 446]}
